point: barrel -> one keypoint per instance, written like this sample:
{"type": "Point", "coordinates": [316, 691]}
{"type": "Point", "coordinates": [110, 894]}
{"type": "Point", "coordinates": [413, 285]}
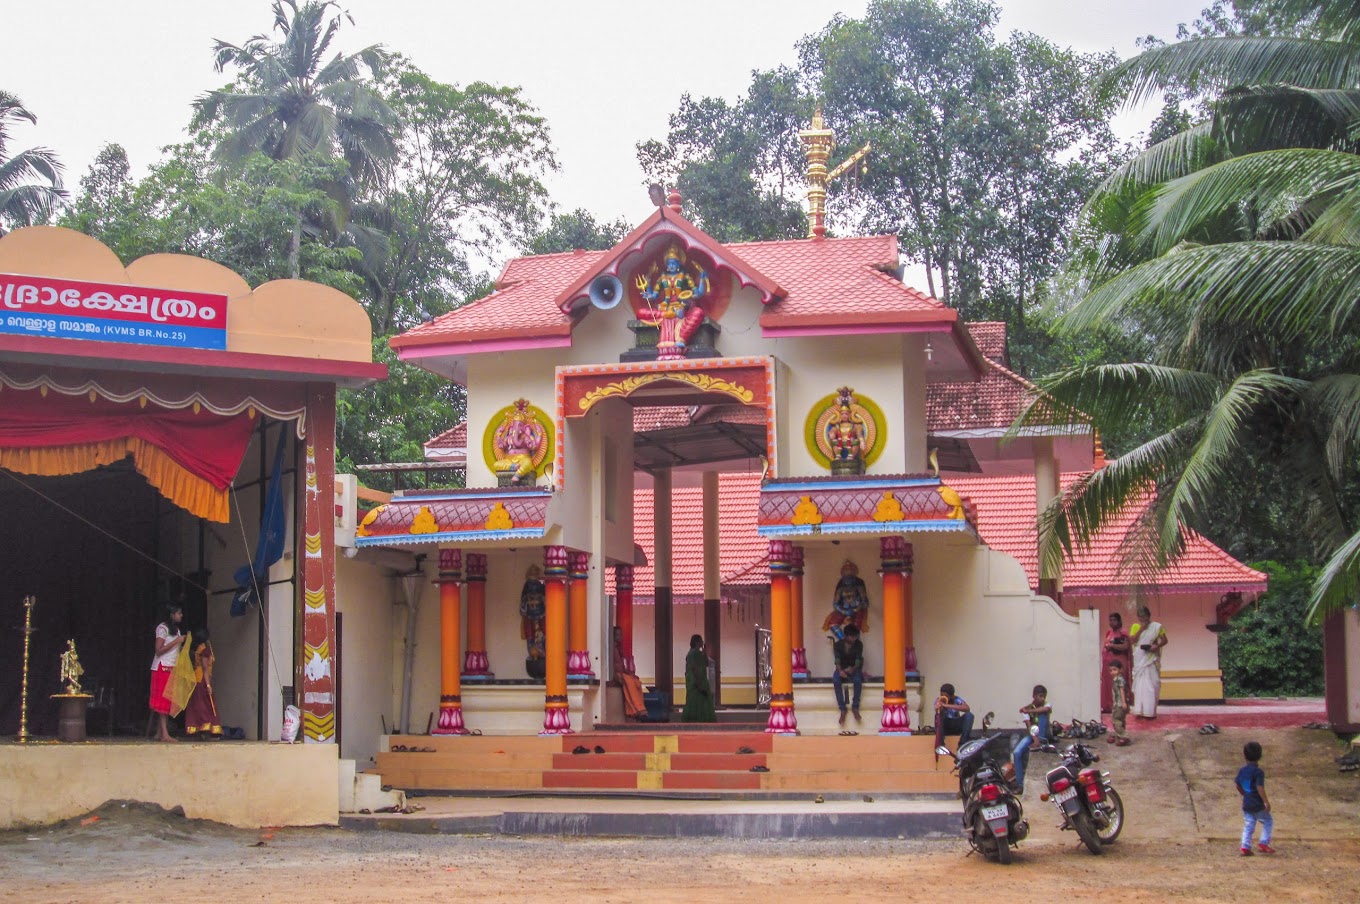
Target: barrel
{"type": "Point", "coordinates": [71, 716]}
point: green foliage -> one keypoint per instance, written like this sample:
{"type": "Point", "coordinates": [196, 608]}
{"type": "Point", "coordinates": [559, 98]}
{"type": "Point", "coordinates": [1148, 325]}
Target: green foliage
{"type": "Point", "coordinates": [578, 229]}
{"type": "Point", "coordinates": [30, 180]}
{"type": "Point", "coordinates": [1233, 249]}
{"type": "Point", "coordinates": [1266, 652]}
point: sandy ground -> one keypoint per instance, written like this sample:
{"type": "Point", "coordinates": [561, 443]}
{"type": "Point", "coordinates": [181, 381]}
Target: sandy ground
{"type": "Point", "coordinates": [1179, 844]}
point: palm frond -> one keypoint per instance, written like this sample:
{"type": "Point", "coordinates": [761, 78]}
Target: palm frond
{"type": "Point", "coordinates": [1336, 587]}
{"type": "Point", "coordinates": [1294, 289]}
{"type": "Point", "coordinates": [1215, 64]}
{"type": "Point", "coordinates": [1277, 182]}
{"type": "Point", "coordinates": [1270, 117]}
{"type": "Point", "coordinates": [1118, 393]}
{"type": "Point", "coordinates": [1338, 223]}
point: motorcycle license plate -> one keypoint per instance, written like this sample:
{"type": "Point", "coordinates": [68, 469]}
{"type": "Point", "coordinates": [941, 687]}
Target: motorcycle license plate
{"type": "Point", "coordinates": [991, 813]}
{"type": "Point", "coordinates": [1063, 797]}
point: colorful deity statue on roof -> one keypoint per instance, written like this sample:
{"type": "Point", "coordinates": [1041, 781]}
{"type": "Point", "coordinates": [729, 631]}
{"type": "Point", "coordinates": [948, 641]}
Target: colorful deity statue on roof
{"type": "Point", "coordinates": [845, 435]}
{"type": "Point", "coordinates": [672, 298]}
{"type": "Point", "coordinates": [849, 603]}
{"type": "Point", "coordinates": [519, 443]}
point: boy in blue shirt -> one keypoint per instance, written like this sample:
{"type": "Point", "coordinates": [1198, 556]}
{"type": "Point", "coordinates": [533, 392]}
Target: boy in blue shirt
{"type": "Point", "coordinates": [1251, 784]}
{"type": "Point", "coordinates": [1036, 712]}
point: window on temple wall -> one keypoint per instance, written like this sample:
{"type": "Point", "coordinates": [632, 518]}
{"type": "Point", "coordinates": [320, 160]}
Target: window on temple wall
{"type": "Point", "coordinates": [611, 485]}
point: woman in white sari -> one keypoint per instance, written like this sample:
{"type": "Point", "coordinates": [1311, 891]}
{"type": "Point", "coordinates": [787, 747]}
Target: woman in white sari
{"type": "Point", "coordinates": [1147, 665]}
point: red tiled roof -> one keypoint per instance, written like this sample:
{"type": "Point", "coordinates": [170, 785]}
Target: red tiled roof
{"type": "Point", "coordinates": [827, 281]}
{"type": "Point", "coordinates": [741, 549]}
{"type": "Point", "coordinates": [1005, 512]}
{"type": "Point", "coordinates": [1006, 507]}
{"type": "Point", "coordinates": [994, 401]}
{"type": "Point", "coordinates": [660, 417]}
{"type": "Point", "coordinates": [453, 438]}
{"type": "Point", "coordinates": [840, 281]}
{"type": "Point", "coordinates": [522, 304]}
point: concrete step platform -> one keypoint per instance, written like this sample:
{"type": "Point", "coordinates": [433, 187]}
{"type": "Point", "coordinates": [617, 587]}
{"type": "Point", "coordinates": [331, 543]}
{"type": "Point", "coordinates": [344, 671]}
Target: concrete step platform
{"type": "Point", "coordinates": [673, 818]}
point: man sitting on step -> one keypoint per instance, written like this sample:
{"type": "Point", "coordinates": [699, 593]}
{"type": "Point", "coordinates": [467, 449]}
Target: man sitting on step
{"type": "Point", "coordinates": [848, 656]}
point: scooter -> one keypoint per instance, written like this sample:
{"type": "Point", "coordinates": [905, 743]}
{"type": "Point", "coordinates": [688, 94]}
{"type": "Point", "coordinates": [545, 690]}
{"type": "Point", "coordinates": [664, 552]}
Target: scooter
{"type": "Point", "coordinates": [1085, 797]}
{"type": "Point", "coordinates": [993, 818]}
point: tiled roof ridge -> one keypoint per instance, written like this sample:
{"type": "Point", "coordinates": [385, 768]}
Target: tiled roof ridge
{"type": "Point", "coordinates": [877, 273]}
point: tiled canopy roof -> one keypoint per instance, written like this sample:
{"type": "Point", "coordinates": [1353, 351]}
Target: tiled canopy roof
{"type": "Point", "coordinates": [828, 282]}
{"type": "Point", "coordinates": [1005, 509]}
{"type": "Point", "coordinates": [742, 550]}
{"type": "Point", "coordinates": [992, 403]}
{"type": "Point", "coordinates": [1006, 513]}
{"type": "Point", "coordinates": [452, 442]}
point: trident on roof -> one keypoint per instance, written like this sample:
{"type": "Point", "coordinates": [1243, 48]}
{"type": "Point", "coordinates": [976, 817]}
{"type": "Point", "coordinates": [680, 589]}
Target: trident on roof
{"type": "Point", "coordinates": [817, 142]}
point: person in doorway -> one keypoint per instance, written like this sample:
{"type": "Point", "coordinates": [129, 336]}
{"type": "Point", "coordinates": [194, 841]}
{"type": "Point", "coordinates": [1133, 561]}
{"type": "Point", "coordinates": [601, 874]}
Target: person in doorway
{"type": "Point", "coordinates": [848, 653]}
{"type": "Point", "coordinates": [1036, 712]}
{"type": "Point", "coordinates": [200, 715]}
{"type": "Point", "coordinates": [1118, 648]}
{"type": "Point", "coordinates": [953, 715]}
{"type": "Point", "coordinates": [169, 640]}
{"type": "Point", "coordinates": [1148, 642]}
{"type": "Point", "coordinates": [633, 705]}
{"type": "Point", "coordinates": [698, 694]}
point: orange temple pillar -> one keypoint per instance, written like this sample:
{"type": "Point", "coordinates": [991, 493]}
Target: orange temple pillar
{"type": "Point", "coordinates": [475, 663]}
{"type": "Point", "coordinates": [800, 666]}
{"type": "Point", "coordinates": [782, 718]}
{"type": "Point", "coordinates": [895, 568]}
{"type": "Point", "coordinates": [913, 672]}
{"type": "Point", "coordinates": [623, 612]}
{"type": "Point", "coordinates": [450, 628]}
{"type": "Point", "coordinates": [578, 652]}
{"type": "Point", "coordinates": [556, 714]}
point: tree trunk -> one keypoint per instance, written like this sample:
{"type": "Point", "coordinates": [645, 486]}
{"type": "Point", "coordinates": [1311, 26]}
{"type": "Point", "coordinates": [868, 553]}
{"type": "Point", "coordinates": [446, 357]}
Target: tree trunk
{"type": "Point", "coordinates": [295, 250]}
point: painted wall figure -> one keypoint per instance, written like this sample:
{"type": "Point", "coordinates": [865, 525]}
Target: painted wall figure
{"type": "Point", "coordinates": [517, 444]}
{"type": "Point", "coordinates": [849, 603]}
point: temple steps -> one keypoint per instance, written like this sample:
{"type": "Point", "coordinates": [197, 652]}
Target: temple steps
{"type": "Point", "coordinates": [657, 761]}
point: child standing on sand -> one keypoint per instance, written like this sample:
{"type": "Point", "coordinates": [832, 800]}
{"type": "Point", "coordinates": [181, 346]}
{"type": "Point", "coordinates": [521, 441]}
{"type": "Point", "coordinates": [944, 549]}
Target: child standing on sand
{"type": "Point", "coordinates": [1251, 784]}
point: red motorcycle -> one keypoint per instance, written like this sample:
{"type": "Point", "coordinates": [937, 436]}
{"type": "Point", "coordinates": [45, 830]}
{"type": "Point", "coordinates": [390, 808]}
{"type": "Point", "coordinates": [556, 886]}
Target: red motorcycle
{"type": "Point", "coordinates": [1085, 797]}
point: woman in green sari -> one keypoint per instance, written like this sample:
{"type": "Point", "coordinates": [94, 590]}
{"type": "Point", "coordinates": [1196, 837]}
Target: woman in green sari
{"type": "Point", "coordinates": [698, 695]}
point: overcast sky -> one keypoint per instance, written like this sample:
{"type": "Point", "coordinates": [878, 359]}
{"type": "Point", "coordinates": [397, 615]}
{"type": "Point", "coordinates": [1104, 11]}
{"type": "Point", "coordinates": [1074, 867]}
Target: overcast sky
{"type": "Point", "coordinates": [605, 73]}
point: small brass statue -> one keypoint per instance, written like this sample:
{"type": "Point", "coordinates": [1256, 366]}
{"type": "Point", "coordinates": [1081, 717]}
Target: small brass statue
{"type": "Point", "coordinates": [71, 669]}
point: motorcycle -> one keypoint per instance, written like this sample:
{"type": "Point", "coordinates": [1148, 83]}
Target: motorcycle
{"type": "Point", "coordinates": [1085, 797]}
{"type": "Point", "coordinates": [993, 818]}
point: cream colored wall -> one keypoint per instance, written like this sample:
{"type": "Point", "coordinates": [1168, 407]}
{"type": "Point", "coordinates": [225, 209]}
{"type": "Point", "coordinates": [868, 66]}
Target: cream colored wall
{"type": "Point", "coordinates": [1190, 645]}
{"type": "Point", "coordinates": [364, 596]}
{"type": "Point", "coordinates": [979, 628]}
{"type": "Point", "coordinates": [247, 785]}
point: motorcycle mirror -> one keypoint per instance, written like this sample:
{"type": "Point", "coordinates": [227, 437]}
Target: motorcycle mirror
{"type": "Point", "coordinates": [942, 751]}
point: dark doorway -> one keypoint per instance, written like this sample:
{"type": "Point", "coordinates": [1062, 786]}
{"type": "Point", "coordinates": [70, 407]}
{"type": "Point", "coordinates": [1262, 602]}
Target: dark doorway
{"type": "Point", "coordinates": [85, 546]}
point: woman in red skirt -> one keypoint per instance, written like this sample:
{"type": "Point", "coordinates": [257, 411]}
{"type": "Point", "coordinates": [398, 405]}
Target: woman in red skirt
{"type": "Point", "coordinates": [169, 639]}
{"type": "Point", "coordinates": [200, 715]}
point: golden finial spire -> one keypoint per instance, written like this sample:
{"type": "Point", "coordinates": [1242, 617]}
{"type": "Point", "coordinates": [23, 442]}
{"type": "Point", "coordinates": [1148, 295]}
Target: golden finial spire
{"type": "Point", "coordinates": [817, 141]}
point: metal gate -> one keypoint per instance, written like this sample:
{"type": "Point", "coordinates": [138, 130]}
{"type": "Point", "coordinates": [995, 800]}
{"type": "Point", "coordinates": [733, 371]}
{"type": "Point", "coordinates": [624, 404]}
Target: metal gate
{"type": "Point", "coordinates": [764, 666]}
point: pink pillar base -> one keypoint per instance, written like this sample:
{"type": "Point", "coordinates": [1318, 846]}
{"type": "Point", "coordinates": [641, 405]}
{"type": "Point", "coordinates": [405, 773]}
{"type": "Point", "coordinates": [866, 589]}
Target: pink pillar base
{"type": "Point", "coordinates": [556, 721]}
{"type": "Point", "coordinates": [782, 721]}
{"type": "Point", "coordinates": [476, 664]}
{"type": "Point", "coordinates": [895, 719]}
{"type": "Point", "coordinates": [450, 721]}
{"type": "Point", "coordinates": [800, 666]}
{"type": "Point", "coordinates": [578, 664]}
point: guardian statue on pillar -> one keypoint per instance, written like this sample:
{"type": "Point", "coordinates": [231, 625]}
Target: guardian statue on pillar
{"type": "Point", "coordinates": [849, 604]}
{"type": "Point", "coordinates": [533, 612]}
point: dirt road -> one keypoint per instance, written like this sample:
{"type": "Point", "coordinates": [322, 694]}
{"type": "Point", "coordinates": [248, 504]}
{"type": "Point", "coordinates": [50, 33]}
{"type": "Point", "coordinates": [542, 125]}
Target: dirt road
{"type": "Point", "coordinates": [1180, 844]}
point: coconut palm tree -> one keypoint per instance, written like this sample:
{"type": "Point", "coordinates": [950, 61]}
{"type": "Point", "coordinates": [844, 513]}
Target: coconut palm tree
{"type": "Point", "coordinates": [24, 200]}
{"type": "Point", "coordinates": [290, 101]}
{"type": "Point", "coordinates": [1236, 247]}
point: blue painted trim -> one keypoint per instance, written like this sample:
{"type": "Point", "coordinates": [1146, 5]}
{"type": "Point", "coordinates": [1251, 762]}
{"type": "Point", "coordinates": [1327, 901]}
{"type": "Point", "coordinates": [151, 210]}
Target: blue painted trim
{"type": "Point", "coordinates": [860, 483]}
{"type": "Point", "coordinates": [451, 536]}
{"type": "Point", "coordinates": [935, 526]}
{"type": "Point", "coordinates": [536, 493]}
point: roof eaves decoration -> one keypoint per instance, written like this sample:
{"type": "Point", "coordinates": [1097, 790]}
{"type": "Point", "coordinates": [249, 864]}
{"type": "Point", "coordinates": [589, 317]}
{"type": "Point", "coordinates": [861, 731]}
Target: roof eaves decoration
{"type": "Point", "coordinates": [457, 516]}
{"type": "Point", "coordinates": [889, 504]}
{"type": "Point", "coordinates": [664, 226]}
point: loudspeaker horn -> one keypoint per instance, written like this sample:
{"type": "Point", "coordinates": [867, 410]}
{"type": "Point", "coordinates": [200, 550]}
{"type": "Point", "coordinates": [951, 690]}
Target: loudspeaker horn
{"type": "Point", "coordinates": [606, 291]}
